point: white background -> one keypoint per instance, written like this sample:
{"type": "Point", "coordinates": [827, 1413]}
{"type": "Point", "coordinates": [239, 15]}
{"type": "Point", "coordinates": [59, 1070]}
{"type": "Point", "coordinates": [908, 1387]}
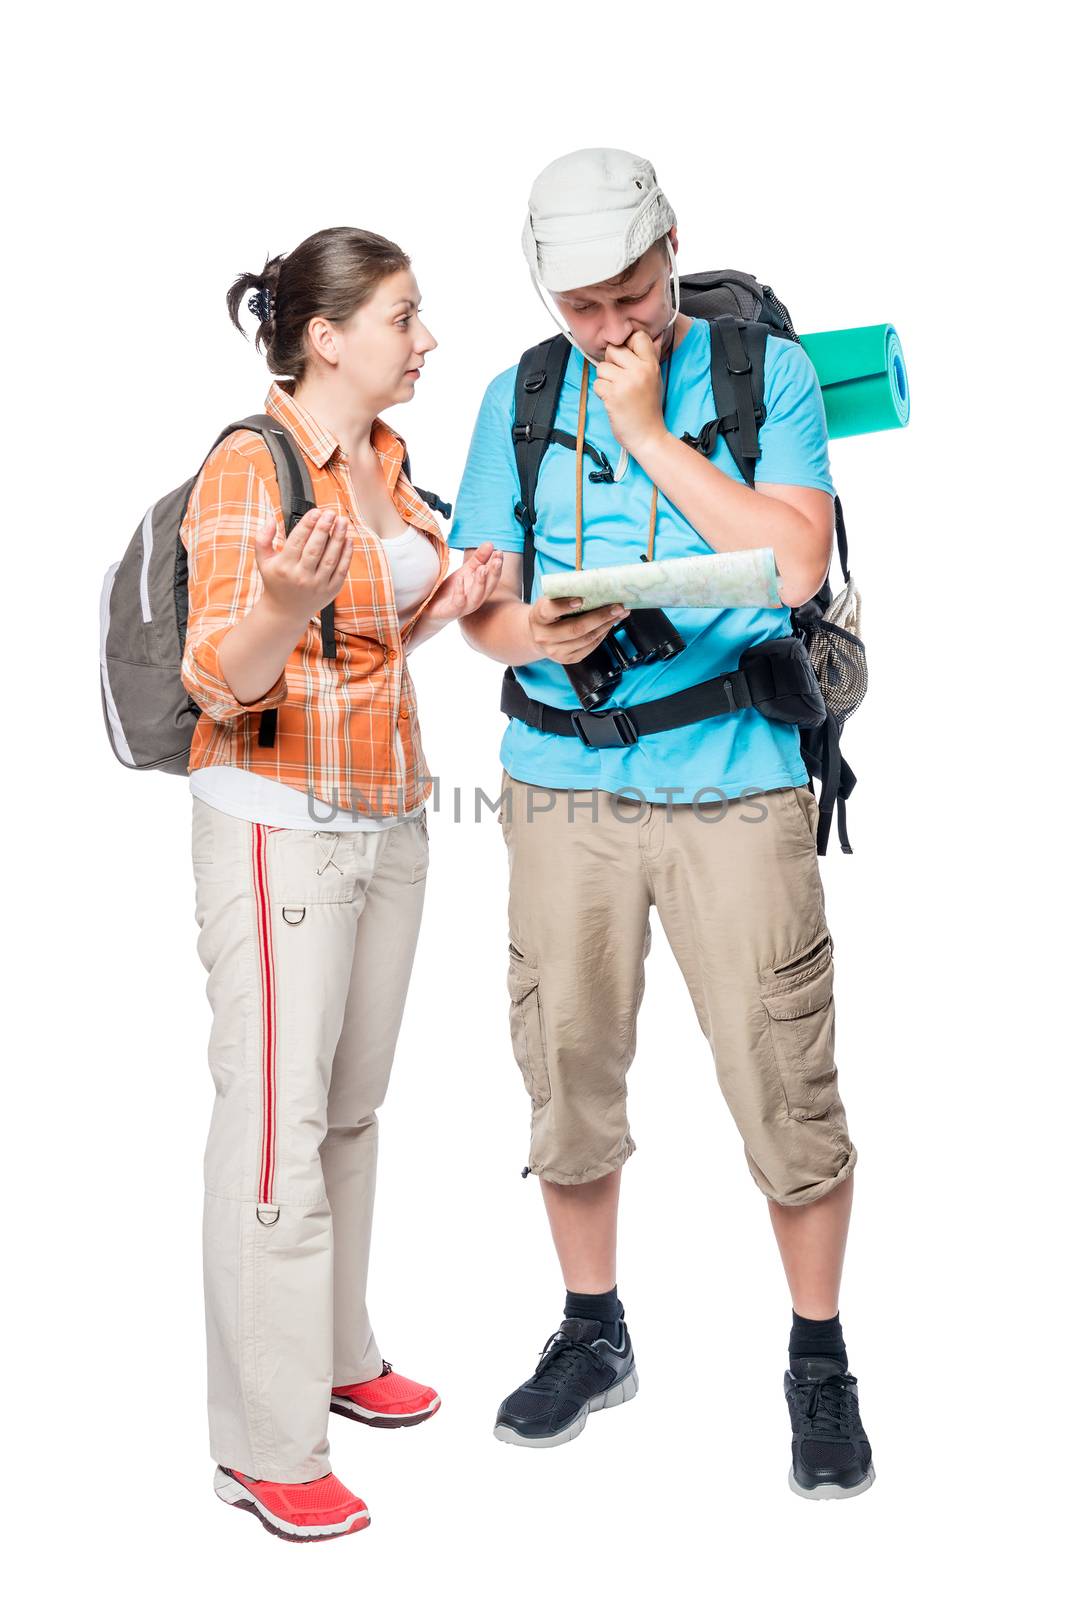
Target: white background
{"type": "Point", "coordinates": [872, 164]}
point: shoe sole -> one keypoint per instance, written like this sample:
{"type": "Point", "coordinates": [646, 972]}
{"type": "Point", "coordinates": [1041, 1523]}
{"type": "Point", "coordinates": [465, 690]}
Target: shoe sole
{"type": "Point", "coordinates": [624, 1390]}
{"type": "Point", "coordinates": [375, 1419]}
{"type": "Point", "coordinates": [832, 1491]}
{"type": "Point", "coordinates": [235, 1494]}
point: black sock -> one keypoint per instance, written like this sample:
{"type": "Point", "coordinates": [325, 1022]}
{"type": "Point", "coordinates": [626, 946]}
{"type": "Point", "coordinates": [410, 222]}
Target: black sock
{"type": "Point", "coordinates": [810, 1337]}
{"type": "Point", "coordinates": [603, 1308]}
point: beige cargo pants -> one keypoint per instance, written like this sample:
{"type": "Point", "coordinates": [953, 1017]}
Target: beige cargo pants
{"type": "Point", "coordinates": [308, 940]}
{"type": "Point", "coordinates": [738, 892]}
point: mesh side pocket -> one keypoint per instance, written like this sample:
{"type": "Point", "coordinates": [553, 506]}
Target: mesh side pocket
{"type": "Point", "coordinates": [838, 655]}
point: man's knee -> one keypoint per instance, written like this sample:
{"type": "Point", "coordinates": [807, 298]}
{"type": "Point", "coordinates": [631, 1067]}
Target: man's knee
{"type": "Point", "coordinates": [574, 1073]}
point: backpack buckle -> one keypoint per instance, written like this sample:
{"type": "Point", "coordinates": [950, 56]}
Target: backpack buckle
{"type": "Point", "coordinates": [535, 382]}
{"type": "Point", "coordinates": [610, 729]}
{"type": "Point", "coordinates": [737, 691]}
{"type": "Point", "coordinates": [604, 472]}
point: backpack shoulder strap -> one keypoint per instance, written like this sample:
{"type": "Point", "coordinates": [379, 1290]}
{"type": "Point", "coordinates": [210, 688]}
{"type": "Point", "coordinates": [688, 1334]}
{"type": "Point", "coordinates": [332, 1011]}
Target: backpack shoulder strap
{"type": "Point", "coordinates": [538, 382]}
{"type": "Point", "coordinates": [840, 535]}
{"type": "Point", "coordinates": [738, 387]}
{"type": "Point", "coordinates": [428, 497]}
{"type": "Point", "coordinates": [294, 484]}
{"type": "Point", "coordinates": [298, 497]}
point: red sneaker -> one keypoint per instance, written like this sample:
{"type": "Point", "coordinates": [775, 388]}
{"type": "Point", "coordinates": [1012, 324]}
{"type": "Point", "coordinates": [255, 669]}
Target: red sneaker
{"type": "Point", "coordinates": [388, 1401]}
{"type": "Point", "coordinates": [321, 1509]}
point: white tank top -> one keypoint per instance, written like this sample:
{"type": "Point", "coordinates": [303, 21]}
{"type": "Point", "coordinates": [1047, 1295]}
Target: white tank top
{"type": "Point", "coordinates": [413, 565]}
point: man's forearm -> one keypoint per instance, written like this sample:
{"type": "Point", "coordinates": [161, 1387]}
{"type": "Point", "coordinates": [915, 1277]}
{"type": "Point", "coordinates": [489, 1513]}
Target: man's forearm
{"type": "Point", "coordinates": [728, 514]}
{"type": "Point", "coordinates": [500, 629]}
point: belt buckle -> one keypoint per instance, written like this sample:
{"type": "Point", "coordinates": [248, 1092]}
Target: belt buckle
{"type": "Point", "coordinates": [610, 729]}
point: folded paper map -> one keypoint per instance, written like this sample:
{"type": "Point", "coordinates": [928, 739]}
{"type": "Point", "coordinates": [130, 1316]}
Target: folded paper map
{"type": "Point", "coordinates": [734, 578]}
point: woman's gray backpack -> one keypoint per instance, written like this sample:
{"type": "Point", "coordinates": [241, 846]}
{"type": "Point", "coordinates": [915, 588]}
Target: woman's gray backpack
{"type": "Point", "coordinates": [144, 605]}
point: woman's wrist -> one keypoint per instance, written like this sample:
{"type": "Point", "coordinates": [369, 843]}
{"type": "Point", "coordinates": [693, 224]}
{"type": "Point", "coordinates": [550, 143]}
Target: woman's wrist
{"type": "Point", "coordinates": [278, 619]}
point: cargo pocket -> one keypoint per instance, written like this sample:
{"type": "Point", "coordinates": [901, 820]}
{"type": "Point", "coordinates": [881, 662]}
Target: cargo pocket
{"type": "Point", "coordinates": [799, 1001]}
{"type": "Point", "coordinates": [528, 1032]}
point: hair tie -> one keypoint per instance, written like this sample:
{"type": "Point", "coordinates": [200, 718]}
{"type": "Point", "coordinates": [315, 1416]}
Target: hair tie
{"type": "Point", "coordinates": [260, 304]}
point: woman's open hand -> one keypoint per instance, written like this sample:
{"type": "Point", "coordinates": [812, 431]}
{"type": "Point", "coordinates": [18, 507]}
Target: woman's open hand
{"type": "Point", "coordinates": [306, 573]}
{"type": "Point", "coordinates": [469, 587]}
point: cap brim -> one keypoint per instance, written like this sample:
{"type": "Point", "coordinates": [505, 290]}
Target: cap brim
{"type": "Point", "coordinates": [563, 267]}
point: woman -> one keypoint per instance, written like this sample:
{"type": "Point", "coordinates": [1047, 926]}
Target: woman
{"type": "Point", "coordinates": [310, 851]}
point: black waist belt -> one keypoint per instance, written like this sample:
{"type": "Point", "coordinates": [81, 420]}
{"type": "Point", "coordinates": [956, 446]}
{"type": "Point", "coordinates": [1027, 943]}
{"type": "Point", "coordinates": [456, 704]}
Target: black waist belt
{"type": "Point", "coordinates": [615, 727]}
{"type": "Point", "coordinates": [775, 678]}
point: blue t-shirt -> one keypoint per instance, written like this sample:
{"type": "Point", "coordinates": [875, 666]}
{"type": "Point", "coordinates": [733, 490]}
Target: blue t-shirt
{"type": "Point", "coordinates": [740, 752]}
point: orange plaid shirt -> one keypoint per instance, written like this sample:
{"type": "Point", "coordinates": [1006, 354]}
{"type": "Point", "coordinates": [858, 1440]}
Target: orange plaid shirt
{"type": "Point", "coordinates": [347, 727]}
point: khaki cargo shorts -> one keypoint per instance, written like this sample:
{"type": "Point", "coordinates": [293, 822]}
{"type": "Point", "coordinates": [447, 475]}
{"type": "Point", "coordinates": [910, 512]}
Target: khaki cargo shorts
{"type": "Point", "coordinates": [738, 892]}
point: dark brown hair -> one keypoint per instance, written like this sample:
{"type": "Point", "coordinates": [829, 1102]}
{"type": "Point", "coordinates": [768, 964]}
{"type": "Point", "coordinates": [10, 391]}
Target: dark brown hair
{"type": "Point", "coordinates": [330, 275]}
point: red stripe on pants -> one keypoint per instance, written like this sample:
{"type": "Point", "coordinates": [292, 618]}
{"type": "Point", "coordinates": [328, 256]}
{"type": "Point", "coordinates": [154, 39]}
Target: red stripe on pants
{"type": "Point", "coordinates": [267, 1008]}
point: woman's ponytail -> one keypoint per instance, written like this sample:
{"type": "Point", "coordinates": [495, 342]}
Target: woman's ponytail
{"type": "Point", "coordinates": [329, 275]}
{"type": "Point", "coordinates": [263, 303]}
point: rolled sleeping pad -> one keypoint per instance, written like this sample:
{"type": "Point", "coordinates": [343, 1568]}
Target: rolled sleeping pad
{"type": "Point", "coordinates": [863, 378]}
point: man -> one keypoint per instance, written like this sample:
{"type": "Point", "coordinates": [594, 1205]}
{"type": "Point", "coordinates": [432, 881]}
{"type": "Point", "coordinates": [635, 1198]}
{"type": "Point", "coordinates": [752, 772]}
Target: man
{"type": "Point", "coordinates": [598, 831]}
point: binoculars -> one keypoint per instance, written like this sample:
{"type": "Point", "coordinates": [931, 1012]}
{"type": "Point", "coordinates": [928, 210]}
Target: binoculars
{"type": "Point", "coordinates": [651, 637]}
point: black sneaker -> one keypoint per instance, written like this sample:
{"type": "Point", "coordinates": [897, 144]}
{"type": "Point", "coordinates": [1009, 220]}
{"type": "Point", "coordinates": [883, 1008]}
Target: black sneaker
{"type": "Point", "coordinates": [579, 1372]}
{"type": "Point", "coordinates": [832, 1456]}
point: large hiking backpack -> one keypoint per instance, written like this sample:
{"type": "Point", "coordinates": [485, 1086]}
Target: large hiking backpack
{"type": "Point", "coordinates": [144, 609]}
{"type": "Point", "coordinates": [743, 314]}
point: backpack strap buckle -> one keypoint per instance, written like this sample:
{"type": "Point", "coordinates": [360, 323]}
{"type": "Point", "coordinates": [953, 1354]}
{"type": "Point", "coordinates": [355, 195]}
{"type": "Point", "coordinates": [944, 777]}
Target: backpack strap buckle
{"type": "Point", "coordinates": [705, 442]}
{"type": "Point", "coordinates": [735, 349]}
{"type": "Point", "coordinates": [610, 729]}
{"type": "Point", "coordinates": [737, 691]}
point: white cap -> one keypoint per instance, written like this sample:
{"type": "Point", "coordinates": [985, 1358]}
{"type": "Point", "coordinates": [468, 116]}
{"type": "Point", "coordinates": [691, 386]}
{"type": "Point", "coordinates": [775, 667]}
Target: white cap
{"type": "Point", "coordinates": [591, 214]}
